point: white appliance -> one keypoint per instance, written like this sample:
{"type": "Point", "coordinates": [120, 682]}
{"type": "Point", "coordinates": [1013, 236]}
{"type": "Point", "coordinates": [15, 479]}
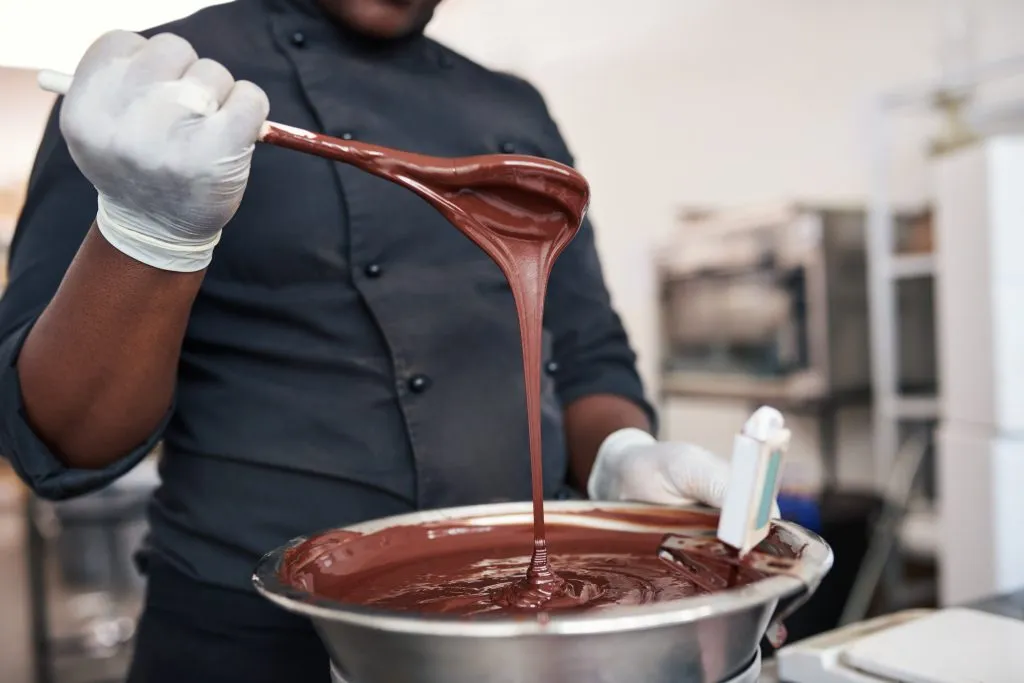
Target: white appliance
{"type": "Point", "coordinates": [918, 646]}
{"type": "Point", "coordinates": [980, 319]}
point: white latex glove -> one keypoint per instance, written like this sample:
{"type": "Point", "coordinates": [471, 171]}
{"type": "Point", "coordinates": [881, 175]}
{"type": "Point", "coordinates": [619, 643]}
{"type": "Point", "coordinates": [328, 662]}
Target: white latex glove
{"type": "Point", "coordinates": [167, 139]}
{"type": "Point", "coordinates": [632, 465]}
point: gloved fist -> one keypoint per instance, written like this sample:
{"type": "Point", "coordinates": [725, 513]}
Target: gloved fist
{"type": "Point", "coordinates": [633, 466]}
{"type": "Point", "coordinates": [167, 139]}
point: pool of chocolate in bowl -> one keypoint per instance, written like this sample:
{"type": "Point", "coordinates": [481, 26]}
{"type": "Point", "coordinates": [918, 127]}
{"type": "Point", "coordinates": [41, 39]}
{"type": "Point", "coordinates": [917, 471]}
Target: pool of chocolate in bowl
{"type": "Point", "coordinates": [467, 570]}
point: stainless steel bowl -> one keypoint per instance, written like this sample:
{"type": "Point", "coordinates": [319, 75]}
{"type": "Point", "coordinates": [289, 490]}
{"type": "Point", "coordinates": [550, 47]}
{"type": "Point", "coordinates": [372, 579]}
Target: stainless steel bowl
{"type": "Point", "coordinates": [709, 638]}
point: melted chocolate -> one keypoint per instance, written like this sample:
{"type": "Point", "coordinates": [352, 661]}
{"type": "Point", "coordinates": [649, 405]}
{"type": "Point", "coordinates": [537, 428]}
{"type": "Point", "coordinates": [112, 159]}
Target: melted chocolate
{"type": "Point", "coordinates": [475, 570]}
{"type": "Point", "coordinates": [522, 211]}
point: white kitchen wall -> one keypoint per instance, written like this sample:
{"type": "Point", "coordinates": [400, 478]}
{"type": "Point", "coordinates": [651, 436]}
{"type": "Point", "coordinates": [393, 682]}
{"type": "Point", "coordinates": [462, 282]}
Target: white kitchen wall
{"type": "Point", "coordinates": [23, 110]}
{"type": "Point", "coordinates": [53, 34]}
{"type": "Point", "coordinates": [22, 118]}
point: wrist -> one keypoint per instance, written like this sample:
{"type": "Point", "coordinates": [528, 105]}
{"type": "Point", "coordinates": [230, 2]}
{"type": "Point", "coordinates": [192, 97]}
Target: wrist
{"type": "Point", "coordinates": [612, 451]}
{"type": "Point", "coordinates": [151, 243]}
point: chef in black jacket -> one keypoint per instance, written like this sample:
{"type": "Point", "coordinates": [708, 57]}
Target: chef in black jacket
{"type": "Point", "coordinates": [338, 352]}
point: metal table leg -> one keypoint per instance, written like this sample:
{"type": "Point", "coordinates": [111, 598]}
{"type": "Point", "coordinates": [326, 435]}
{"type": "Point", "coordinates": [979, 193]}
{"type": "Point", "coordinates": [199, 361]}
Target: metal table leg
{"type": "Point", "coordinates": [40, 629]}
{"type": "Point", "coordinates": [828, 446]}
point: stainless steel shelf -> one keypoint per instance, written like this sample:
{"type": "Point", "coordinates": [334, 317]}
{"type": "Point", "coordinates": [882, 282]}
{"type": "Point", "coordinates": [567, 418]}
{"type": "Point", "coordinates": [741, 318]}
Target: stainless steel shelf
{"type": "Point", "coordinates": [916, 408]}
{"type": "Point", "coordinates": [919, 532]}
{"type": "Point", "coordinates": [800, 388]}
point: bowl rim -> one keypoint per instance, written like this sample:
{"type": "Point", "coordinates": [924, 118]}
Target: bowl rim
{"type": "Point", "coordinates": [816, 561]}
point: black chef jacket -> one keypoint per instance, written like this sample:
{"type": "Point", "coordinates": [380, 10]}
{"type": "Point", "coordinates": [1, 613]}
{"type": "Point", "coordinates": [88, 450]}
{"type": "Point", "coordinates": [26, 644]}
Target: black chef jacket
{"type": "Point", "coordinates": [350, 354]}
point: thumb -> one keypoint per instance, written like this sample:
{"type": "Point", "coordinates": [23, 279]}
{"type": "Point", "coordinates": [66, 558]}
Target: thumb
{"type": "Point", "coordinates": [703, 476]}
{"type": "Point", "coordinates": [698, 474]}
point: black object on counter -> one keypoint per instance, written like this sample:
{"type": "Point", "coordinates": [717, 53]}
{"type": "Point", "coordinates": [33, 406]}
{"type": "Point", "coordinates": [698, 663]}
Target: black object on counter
{"type": "Point", "coordinates": [100, 534]}
{"type": "Point", "coordinates": [847, 520]}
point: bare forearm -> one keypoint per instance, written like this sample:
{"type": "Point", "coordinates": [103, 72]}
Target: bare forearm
{"type": "Point", "coordinates": [98, 369]}
{"type": "Point", "coordinates": [588, 421]}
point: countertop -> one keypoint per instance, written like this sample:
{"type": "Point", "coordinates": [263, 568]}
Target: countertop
{"type": "Point", "coordinates": [1008, 605]}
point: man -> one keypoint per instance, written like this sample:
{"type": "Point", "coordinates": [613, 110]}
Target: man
{"type": "Point", "coordinates": [337, 353]}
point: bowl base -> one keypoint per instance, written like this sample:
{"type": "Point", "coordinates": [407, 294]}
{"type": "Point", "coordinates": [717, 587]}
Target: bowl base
{"type": "Point", "coordinates": [749, 675]}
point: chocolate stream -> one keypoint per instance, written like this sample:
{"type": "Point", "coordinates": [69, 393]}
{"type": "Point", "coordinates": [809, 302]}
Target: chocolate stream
{"type": "Point", "coordinates": [522, 211]}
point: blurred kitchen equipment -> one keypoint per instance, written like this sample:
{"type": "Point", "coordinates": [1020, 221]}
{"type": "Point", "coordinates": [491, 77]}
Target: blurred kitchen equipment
{"type": "Point", "coordinates": [884, 541]}
{"type": "Point", "coordinates": [916, 235]}
{"type": "Point", "coordinates": [709, 638]}
{"type": "Point", "coordinates": [83, 614]}
{"type": "Point", "coordinates": [848, 521]}
{"type": "Point", "coordinates": [99, 533]}
{"type": "Point", "coordinates": [770, 305]}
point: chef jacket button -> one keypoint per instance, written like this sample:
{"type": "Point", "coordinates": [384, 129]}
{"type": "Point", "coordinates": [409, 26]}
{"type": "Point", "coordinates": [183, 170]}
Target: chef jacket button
{"type": "Point", "coordinates": [419, 383]}
{"type": "Point", "coordinates": [373, 270]}
{"type": "Point", "coordinates": [299, 39]}
{"type": "Point", "coordinates": [508, 148]}
{"type": "Point", "coordinates": [551, 367]}
{"type": "Point", "coordinates": [346, 136]}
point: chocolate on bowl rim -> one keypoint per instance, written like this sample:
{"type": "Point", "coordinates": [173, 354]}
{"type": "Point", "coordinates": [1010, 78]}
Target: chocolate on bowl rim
{"type": "Point", "coordinates": [814, 563]}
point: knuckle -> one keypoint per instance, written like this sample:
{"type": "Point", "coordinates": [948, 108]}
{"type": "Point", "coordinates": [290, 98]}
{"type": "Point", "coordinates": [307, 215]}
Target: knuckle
{"type": "Point", "coordinates": [189, 95]}
{"type": "Point", "coordinates": [252, 92]}
{"type": "Point", "coordinates": [213, 69]}
{"type": "Point", "coordinates": [116, 37]}
{"type": "Point", "coordinates": [173, 46]}
{"type": "Point", "coordinates": [106, 48]}
{"type": "Point", "coordinates": [254, 98]}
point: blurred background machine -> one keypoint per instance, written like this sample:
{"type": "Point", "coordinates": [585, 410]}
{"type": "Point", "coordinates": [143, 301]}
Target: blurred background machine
{"type": "Point", "coordinates": [770, 305]}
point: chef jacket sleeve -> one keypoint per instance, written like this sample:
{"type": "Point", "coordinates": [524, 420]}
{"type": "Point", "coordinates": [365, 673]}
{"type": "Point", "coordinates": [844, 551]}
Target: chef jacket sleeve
{"type": "Point", "coordinates": [590, 347]}
{"type": "Point", "coordinates": [59, 208]}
